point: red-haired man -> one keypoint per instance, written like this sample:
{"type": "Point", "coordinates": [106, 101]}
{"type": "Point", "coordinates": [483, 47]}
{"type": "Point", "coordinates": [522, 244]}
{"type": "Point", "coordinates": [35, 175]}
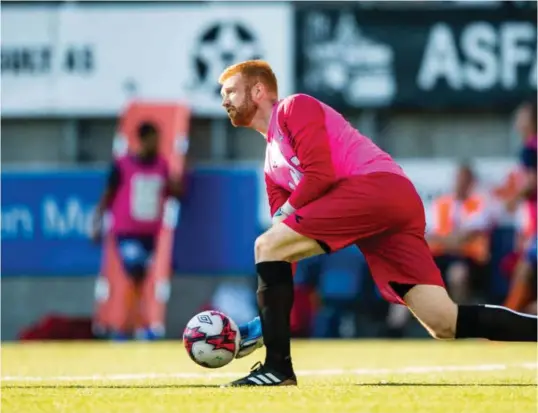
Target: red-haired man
{"type": "Point", "coordinates": [329, 187]}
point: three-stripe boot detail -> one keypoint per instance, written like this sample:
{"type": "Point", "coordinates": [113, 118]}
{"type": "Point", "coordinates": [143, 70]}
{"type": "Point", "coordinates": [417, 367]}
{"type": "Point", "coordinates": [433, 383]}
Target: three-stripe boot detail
{"type": "Point", "coordinates": [261, 375]}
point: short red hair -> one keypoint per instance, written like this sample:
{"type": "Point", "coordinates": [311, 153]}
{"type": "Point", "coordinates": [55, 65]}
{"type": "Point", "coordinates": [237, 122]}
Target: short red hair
{"type": "Point", "coordinates": [254, 71]}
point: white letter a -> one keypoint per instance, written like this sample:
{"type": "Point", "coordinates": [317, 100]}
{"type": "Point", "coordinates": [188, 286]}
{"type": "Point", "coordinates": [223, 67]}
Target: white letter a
{"type": "Point", "coordinates": [440, 60]}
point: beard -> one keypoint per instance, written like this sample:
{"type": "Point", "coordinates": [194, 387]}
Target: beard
{"type": "Point", "coordinates": [243, 115]}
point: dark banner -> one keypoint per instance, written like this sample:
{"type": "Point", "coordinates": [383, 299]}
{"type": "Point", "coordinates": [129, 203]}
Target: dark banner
{"type": "Point", "coordinates": [409, 58]}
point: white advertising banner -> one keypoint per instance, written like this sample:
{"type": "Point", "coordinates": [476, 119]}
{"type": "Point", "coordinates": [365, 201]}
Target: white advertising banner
{"type": "Point", "coordinates": [89, 60]}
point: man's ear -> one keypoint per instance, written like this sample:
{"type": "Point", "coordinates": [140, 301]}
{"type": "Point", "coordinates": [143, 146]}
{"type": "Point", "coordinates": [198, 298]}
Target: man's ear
{"type": "Point", "coordinates": [257, 90]}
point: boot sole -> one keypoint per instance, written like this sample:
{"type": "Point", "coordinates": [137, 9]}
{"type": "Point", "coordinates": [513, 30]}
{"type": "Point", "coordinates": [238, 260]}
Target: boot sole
{"type": "Point", "coordinates": [287, 382]}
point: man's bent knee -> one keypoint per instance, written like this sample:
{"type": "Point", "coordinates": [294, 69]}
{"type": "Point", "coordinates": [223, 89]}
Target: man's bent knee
{"type": "Point", "coordinates": [432, 306]}
{"type": "Point", "coordinates": [281, 243]}
{"type": "Point", "coordinates": [265, 248]}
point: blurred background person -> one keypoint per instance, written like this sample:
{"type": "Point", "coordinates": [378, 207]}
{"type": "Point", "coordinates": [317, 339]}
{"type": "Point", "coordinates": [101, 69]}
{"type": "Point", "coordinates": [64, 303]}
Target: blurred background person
{"type": "Point", "coordinates": [524, 181]}
{"type": "Point", "coordinates": [137, 187]}
{"type": "Point", "coordinates": [458, 235]}
{"type": "Point", "coordinates": [522, 293]}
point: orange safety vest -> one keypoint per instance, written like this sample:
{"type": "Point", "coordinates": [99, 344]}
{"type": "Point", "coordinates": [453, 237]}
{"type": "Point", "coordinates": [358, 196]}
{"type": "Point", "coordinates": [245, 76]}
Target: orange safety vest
{"type": "Point", "coordinates": [478, 248]}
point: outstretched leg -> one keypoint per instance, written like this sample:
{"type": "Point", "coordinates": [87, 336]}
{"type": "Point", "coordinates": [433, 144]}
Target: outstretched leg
{"type": "Point", "coordinates": [445, 320]}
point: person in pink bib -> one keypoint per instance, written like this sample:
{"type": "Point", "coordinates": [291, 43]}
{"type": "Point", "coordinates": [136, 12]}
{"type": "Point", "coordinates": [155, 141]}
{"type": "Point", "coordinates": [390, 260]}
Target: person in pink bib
{"type": "Point", "coordinates": [137, 187]}
{"type": "Point", "coordinates": [329, 187]}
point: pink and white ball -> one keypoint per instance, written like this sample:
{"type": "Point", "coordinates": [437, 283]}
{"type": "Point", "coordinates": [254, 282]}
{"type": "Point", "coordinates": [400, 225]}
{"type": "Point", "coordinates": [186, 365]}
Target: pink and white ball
{"type": "Point", "coordinates": [211, 339]}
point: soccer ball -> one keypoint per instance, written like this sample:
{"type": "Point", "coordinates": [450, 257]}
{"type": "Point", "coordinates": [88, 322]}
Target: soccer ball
{"type": "Point", "coordinates": [211, 339]}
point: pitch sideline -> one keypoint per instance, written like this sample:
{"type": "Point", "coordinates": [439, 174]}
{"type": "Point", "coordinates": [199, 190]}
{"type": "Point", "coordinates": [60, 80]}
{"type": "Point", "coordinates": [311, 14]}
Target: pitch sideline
{"type": "Point", "coordinates": [303, 373]}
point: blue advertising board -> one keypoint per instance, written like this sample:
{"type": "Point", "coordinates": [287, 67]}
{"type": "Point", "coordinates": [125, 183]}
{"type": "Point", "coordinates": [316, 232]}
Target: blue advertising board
{"type": "Point", "coordinates": [46, 217]}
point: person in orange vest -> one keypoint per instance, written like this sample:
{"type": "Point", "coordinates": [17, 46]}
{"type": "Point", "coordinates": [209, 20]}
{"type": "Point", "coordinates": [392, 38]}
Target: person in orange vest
{"type": "Point", "coordinates": [457, 233]}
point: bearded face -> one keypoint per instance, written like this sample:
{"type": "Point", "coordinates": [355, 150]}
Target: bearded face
{"type": "Point", "coordinates": [242, 111]}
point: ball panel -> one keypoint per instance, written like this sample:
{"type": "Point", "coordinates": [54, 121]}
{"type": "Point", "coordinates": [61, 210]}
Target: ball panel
{"type": "Point", "coordinates": [207, 322]}
{"type": "Point", "coordinates": [205, 355]}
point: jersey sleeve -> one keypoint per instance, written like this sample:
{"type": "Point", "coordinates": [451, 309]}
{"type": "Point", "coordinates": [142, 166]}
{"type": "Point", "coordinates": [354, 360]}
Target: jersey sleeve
{"type": "Point", "coordinates": [304, 119]}
{"type": "Point", "coordinates": [277, 196]}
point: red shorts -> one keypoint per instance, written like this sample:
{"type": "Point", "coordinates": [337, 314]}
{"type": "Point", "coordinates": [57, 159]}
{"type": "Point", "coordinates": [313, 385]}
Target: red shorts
{"type": "Point", "coordinates": [383, 215]}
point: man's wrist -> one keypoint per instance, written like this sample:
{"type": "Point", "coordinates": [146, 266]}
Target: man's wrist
{"type": "Point", "coordinates": [287, 209]}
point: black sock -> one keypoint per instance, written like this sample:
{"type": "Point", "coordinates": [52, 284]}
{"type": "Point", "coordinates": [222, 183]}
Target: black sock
{"type": "Point", "coordinates": [495, 323]}
{"type": "Point", "coordinates": [275, 300]}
